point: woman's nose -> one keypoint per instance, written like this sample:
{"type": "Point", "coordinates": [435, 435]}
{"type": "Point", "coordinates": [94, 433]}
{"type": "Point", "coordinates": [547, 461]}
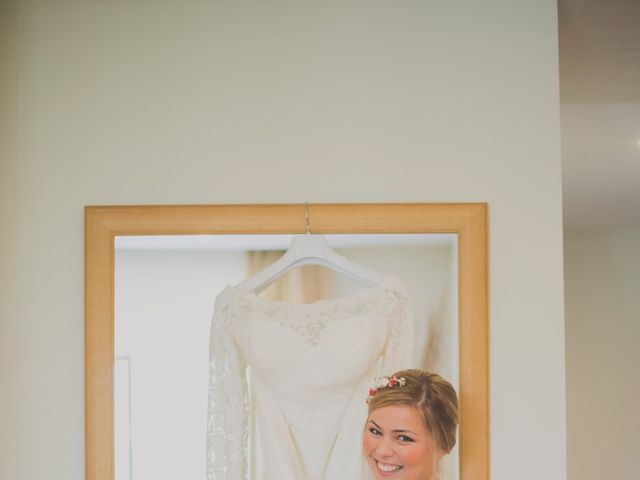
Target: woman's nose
{"type": "Point", "coordinates": [385, 448]}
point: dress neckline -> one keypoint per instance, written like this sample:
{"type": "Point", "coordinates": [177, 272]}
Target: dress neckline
{"type": "Point", "coordinates": [391, 283]}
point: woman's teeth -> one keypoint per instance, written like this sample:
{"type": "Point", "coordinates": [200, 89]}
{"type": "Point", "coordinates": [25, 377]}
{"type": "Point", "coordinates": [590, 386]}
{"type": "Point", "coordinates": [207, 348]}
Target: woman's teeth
{"type": "Point", "coordinates": [385, 467]}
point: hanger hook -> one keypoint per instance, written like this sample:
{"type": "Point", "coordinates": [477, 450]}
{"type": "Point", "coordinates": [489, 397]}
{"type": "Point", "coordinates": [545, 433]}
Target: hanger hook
{"type": "Point", "coordinates": [306, 216]}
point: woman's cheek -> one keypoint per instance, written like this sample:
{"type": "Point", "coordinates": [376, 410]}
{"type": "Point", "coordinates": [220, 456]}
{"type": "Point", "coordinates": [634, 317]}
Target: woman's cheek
{"type": "Point", "coordinates": [417, 456]}
{"type": "Point", "coordinates": [368, 444]}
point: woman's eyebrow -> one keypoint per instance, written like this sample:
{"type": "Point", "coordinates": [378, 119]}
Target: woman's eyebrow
{"type": "Point", "coordinates": [404, 431]}
{"type": "Point", "coordinates": [377, 426]}
{"type": "Point", "coordinates": [394, 431]}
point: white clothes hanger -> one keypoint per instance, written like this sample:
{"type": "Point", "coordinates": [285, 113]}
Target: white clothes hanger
{"type": "Point", "coordinates": [309, 249]}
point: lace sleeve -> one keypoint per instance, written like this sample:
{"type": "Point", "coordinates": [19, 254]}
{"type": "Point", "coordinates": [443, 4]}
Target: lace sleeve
{"type": "Point", "coordinates": [399, 351]}
{"type": "Point", "coordinates": [228, 407]}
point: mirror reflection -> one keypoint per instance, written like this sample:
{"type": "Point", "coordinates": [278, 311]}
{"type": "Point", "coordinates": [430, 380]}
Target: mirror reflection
{"type": "Point", "coordinates": [165, 292]}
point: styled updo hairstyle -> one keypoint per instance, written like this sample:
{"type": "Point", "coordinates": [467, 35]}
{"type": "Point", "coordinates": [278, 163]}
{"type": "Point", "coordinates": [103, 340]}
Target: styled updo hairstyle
{"type": "Point", "coordinates": [432, 395]}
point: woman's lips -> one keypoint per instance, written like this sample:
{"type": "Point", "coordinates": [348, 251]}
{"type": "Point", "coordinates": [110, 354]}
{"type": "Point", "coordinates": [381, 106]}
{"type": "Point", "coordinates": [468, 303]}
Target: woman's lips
{"type": "Point", "coordinates": [387, 468]}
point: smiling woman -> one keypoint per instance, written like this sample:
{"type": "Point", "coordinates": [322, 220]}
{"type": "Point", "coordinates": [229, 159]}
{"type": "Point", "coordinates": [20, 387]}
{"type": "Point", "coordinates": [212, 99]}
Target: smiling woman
{"type": "Point", "coordinates": [412, 422]}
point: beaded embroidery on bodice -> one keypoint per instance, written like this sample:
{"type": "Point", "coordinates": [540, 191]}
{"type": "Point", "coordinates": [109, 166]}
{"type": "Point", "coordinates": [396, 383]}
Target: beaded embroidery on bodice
{"type": "Point", "coordinates": [310, 367]}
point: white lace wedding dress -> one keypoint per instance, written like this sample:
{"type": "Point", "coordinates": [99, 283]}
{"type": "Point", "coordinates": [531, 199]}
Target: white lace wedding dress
{"type": "Point", "coordinates": [297, 412]}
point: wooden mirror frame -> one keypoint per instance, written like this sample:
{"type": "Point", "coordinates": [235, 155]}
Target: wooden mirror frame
{"type": "Point", "coordinates": [467, 220]}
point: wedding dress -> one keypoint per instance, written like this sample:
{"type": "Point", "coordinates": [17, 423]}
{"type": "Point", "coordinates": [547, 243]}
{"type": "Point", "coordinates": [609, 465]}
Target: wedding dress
{"type": "Point", "coordinates": [288, 382]}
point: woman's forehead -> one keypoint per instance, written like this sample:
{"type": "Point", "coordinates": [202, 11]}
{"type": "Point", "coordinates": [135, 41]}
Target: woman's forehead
{"type": "Point", "coordinates": [397, 417]}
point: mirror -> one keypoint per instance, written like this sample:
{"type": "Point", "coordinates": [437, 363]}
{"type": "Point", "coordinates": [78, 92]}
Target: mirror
{"type": "Point", "coordinates": [164, 295]}
{"type": "Point", "coordinates": [165, 287]}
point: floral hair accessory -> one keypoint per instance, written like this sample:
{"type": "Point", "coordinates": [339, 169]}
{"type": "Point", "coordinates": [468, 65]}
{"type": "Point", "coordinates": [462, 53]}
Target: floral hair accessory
{"type": "Point", "coordinates": [386, 382]}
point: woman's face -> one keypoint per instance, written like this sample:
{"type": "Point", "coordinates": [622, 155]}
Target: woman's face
{"type": "Point", "coordinates": [397, 444]}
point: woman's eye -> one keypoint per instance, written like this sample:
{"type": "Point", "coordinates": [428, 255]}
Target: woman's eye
{"type": "Point", "coordinates": [375, 431]}
{"type": "Point", "coordinates": [404, 438]}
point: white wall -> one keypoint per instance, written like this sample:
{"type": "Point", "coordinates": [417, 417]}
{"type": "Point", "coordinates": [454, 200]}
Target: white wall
{"type": "Point", "coordinates": [164, 304]}
{"type": "Point", "coordinates": [603, 359]}
{"type": "Point", "coordinates": [209, 102]}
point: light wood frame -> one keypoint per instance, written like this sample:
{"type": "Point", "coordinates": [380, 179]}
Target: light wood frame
{"type": "Point", "coordinates": [467, 220]}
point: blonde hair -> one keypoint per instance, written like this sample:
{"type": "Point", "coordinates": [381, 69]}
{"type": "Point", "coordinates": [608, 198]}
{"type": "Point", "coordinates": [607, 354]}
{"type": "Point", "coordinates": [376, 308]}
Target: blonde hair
{"type": "Point", "coordinates": [432, 395]}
